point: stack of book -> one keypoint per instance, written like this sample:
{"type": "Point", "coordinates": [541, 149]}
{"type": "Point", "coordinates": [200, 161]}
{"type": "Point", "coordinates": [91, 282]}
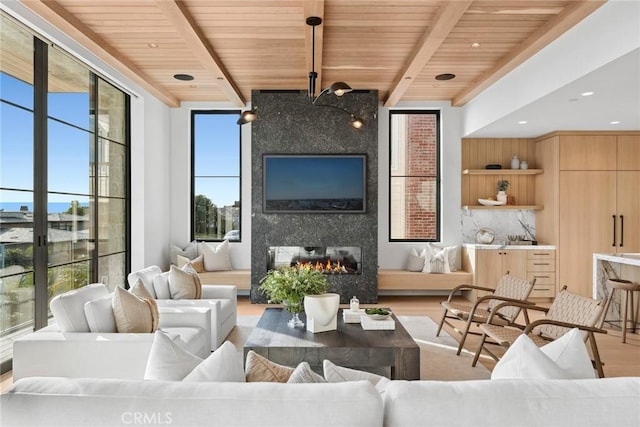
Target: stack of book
{"type": "Point", "coordinates": [352, 316]}
{"type": "Point", "coordinates": [368, 324]}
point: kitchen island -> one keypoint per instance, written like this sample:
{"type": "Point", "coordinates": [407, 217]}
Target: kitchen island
{"type": "Point", "coordinates": [614, 266]}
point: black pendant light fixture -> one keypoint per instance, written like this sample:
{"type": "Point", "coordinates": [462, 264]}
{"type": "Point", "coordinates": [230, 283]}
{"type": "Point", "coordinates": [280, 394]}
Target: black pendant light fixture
{"type": "Point", "coordinates": [336, 88]}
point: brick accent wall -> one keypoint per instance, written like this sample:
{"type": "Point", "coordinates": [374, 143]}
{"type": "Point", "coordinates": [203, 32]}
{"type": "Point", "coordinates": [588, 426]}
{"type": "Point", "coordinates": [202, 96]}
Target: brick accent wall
{"type": "Point", "coordinates": [420, 201]}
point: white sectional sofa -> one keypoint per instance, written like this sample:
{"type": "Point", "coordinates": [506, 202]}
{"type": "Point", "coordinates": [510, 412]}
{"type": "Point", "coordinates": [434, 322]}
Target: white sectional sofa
{"type": "Point", "coordinates": [102, 402]}
{"type": "Point", "coordinates": [51, 353]}
{"type": "Point", "coordinates": [221, 299]}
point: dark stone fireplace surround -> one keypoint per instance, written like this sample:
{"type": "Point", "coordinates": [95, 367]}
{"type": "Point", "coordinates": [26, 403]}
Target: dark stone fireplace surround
{"type": "Point", "coordinates": [288, 124]}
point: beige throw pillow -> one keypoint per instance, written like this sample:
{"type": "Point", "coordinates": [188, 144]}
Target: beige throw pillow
{"type": "Point", "coordinates": [197, 263]}
{"type": "Point", "coordinates": [134, 314]}
{"type": "Point", "coordinates": [196, 278]}
{"type": "Point", "coordinates": [260, 369]}
{"type": "Point", "coordinates": [216, 259]}
{"type": "Point", "coordinates": [184, 284]}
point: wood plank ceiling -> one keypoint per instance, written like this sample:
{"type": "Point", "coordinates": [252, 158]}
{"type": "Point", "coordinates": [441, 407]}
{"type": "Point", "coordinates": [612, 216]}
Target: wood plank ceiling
{"type": "Point", "coordinates": [394, 46]}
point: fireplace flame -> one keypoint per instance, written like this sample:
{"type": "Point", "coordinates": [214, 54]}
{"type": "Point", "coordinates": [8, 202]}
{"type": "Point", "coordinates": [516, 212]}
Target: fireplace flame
{"type": "Point", "coordinates": [326, 267]}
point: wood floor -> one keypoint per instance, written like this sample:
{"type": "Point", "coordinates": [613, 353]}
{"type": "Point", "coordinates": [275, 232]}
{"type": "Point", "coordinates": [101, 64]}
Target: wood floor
{"type": "Point", "coordinates": [621, 360]}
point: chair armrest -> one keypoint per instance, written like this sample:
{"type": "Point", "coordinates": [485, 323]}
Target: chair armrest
{"type": "Point", "coordinates": [467, 287]}
{"type": "Point", "coordinates": [219, 292]}
{"type": "Point", "coordinates": [539, 322]}
{"type": "Point", "coordinates": [525, 305]}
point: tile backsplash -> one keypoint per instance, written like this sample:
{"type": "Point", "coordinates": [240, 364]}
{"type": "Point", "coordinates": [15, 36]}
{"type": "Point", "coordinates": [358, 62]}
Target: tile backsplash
{"type": "Point", "coordinates": [501, 222]}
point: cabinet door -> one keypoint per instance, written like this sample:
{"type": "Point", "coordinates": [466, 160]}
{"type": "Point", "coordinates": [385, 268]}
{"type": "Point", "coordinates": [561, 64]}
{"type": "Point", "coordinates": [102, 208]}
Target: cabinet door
{"type": "Point", "coordinates": [628, 207]}
{"type": "Point", "coordinates": [515, 262]}
{"type": "Point", "coordinates": [588, 152]}
{"type": "Point", "coordinates": [629, 153]}
{"type": "Point", "coordinates": [489, 267]}
{"type": "Point", "coordinates": [587, 209]}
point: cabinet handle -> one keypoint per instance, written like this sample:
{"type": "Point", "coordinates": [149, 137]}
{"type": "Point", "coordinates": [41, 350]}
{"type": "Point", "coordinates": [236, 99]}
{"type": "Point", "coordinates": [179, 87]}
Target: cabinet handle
{"type": "Point", "coordinates": [541, 277]}
{"type": "Point", "coordinates": [614, 230]}
{"type": "Point", "coordinates": [540, 263]}
{"type": "Point", "coordinates": [621, 230]}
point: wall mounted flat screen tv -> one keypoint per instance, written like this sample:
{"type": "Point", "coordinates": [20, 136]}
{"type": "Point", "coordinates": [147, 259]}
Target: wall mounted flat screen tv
{"type": "Point", "coordinates": [320, 183]}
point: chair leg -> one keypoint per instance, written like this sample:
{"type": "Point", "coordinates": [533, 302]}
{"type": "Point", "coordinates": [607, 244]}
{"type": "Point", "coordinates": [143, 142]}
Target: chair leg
{"type": "Point", "coordinates": [444, 315]}
{"type": "Point", "coordinates": [464, 336]}
{"type": "Point", "coordinates": [479, 350]}
{"type": "Point", "coordinates": [625, 305]}
{"type": "Point", "coordinates": [596, 355]}
{"type": "Point", "coordinates": [634, 313]}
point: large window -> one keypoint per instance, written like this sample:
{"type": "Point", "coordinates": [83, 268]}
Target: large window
{"type": "Point", "coordinates": [215, 175]}
{"type": "Point", "coordinates": [63, 180]}
{"type": "Point", "coordinates": [414, 182]}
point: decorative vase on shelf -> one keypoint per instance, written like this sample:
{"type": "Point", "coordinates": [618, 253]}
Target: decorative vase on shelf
{"type": "Point", "coordinates": [502, 197]}
{"type": "Point", "coordinates": [515, 163]}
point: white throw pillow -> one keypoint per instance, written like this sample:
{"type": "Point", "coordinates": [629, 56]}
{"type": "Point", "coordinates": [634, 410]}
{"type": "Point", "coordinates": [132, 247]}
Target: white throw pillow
{"type": "Point", "coordinates": [168, 361]}
{"type": "Point", "coordinates": [134, 314]}
{"type": "Point", "coordinates": [216, 259]}
{"type": "Point", "coordinates": [304, 374]}
{"type": "Point", "coordinates": [524, 360]}
{"type": "Point", "coordinates": [99, 314]}
{"type": "Point", "coordinates": [454, 255]}
{"type": "Point", "coordinates": [161, 286]}
{"type": "Point", "coordinates": [436, 262]}
{"type": "Point", "coordinates": [337, 374]}
{"type": "Point", "coordinates": [190, 252]}
{"type": "Point", "coordinates": [570, 353]}
{"type": "Point", "coordinates": [415, 261]}
{"type": "Point", "coordinates": [68, 308]}
{"type": "Point", "coordinates": [223, 365]}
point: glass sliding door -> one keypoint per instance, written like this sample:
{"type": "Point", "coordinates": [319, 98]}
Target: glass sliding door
{"type": "Point", "coordinates": [17, 292]}
{"type": "Point", "coordinates": [64, 181]}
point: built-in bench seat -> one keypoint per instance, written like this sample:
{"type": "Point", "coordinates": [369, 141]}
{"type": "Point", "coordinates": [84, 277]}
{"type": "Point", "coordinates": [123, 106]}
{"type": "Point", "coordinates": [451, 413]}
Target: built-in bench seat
{"type": "Point", "coordinates": [402, 280]}
{"type": "Point", "coordinates": [240, 278]}
{"type": "Point", "coordinates": [388, 280]}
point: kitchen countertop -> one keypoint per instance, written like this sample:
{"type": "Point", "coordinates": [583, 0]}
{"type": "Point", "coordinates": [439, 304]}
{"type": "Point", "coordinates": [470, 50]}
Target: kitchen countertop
{"type": "Point", "coordinates": [629, 259]}
{"type": "Point", "coordinates": [517, 247]}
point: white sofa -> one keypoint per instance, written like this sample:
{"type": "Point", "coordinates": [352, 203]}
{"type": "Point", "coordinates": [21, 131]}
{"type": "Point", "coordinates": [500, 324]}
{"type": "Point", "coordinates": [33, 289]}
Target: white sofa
{"type": "Point", "coordinates": [103, 402]}
{"type": "Point", "coordinates": [68, 348]}
{"type": "Point", "coordinates": [221, 299]}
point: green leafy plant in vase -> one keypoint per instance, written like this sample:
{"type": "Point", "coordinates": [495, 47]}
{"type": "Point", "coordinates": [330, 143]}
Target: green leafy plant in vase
{"type": "Point", "coordinates": [289, 285]}
{"type": "Point", "coordinates": [502, 186]}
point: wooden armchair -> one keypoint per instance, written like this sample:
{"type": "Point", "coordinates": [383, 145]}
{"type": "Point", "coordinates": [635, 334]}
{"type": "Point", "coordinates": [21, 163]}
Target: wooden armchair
{"type": "Point", "coordinates": [509, 289]}
{"type": "Point", "coordinates": [567, 311]}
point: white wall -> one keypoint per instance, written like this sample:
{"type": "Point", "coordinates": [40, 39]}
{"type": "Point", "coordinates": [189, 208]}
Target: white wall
{"type": "Point", "coordinates": [394, 254]}
{"type": "Point", "coordinates": [180, 186]}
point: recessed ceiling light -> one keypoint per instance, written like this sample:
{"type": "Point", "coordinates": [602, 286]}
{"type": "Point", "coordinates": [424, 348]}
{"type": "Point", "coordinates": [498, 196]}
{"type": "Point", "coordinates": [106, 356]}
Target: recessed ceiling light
{"type": "Point", "coordinates": [183, 77]}
{"type": "Point", "coordinates": [587, 93]}
{"type": "Point", "coordinates": [615, 122]}
{"type": "Point", "coordinates": [573, 99]}
{"type": "Point", "coordinates": [153, 45]}
{"type": "Point", "coordinates": [475, 44]}
{"type": "Point", "coordinates": [445, 76]}
{"type": "Point", "coordinates": [523, 122]}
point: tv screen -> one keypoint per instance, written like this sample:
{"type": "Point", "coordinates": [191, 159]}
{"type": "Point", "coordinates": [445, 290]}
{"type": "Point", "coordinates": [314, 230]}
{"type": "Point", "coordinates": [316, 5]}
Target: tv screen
{"type": "Point", "coordinates": [314, 183]}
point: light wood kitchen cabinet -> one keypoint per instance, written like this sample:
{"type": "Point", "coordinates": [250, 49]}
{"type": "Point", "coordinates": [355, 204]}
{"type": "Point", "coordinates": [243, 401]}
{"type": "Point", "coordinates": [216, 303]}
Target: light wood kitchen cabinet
{"type": "Point", "coordinates": [591, 195]}
{"type": "Point", "coordinates": [541, 267]}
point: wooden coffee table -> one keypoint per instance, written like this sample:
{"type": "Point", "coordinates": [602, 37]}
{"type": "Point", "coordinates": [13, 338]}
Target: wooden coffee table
{"type": "Point", "coordinates": [376, 351]}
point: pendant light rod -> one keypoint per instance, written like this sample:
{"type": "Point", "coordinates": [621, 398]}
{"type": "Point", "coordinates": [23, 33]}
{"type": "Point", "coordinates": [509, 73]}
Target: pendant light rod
{"type": "Point", "coordinates": [313, 21]}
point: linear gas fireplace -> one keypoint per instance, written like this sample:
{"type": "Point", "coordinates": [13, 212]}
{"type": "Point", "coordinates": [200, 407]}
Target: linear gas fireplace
{"type": "Point", "coordinates": [327, 259]}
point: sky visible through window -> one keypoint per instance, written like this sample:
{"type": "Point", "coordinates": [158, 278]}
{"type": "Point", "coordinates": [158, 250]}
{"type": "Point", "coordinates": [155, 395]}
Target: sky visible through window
{"type": "Point", "coordinates": [217, 158]}
{"type": "Point", "coordinates": [68, 153]}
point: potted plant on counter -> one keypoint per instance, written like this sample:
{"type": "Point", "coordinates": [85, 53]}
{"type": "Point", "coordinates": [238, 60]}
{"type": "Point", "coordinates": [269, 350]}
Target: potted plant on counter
{"type": "Point", "coordinates": [289, 285]}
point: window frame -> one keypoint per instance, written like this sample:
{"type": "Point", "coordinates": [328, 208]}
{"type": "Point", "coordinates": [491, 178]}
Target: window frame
{"type": "Point", "coordinates": [192, 221]}
{"type": "Point", "coordinates": [438, 176]}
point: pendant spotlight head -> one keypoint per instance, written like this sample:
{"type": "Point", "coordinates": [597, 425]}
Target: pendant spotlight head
{"type": "Point", "coordinates": [247, 116]}
{"type": "Point", "coordinates": [339, 88]}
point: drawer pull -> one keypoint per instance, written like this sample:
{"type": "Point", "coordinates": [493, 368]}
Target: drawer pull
{"type": "Point", "coordinates": [541, 254]}
{"type": "Point", "coordinates": [540, 263]}
{"type": "Point", "coordinates": [541, 277]}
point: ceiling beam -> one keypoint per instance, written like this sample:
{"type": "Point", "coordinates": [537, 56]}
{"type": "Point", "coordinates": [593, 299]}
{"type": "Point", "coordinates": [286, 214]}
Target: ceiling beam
{"type": "Point", "coordinates": [445, 20]}
{"type": "Point", "coordinates": [314, 8]}
{"type": "Point", "coordinates": [59, 17]}
{"type": "Point", "coordinates": [184, 24]}
{"type": "Point", "coordinates": [573, 13]}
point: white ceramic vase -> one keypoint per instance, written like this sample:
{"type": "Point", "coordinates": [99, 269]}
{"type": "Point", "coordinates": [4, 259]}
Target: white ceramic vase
{"type": "Point", "coordinates": [502, 197]}
{"type": "Point", "coordinates": [322, 312]}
